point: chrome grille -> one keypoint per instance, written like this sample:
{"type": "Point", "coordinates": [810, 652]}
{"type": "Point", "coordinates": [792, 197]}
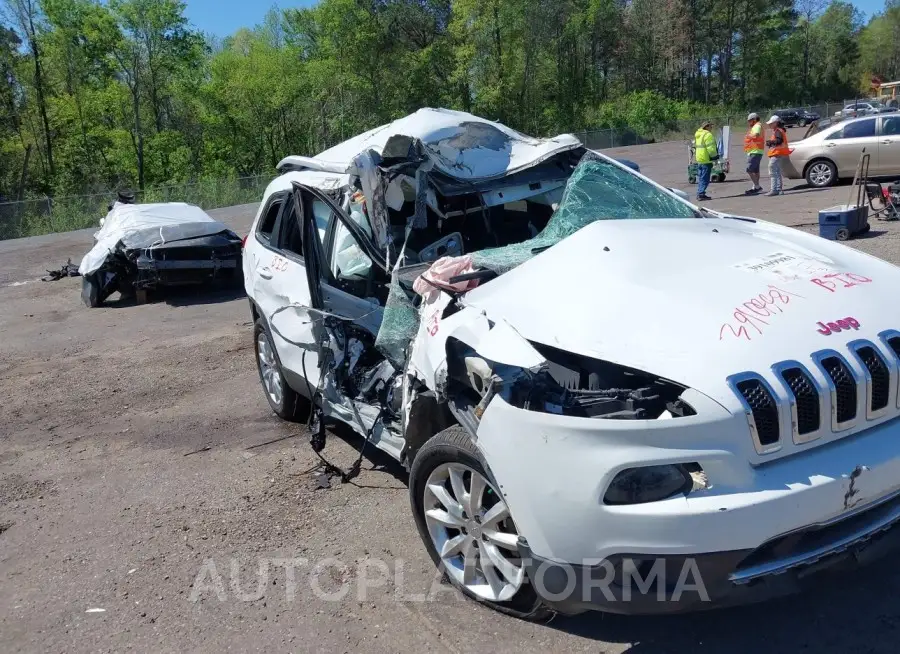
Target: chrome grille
{"type": "Point", "coordinates": [844, 386]}
{"type": "Point", "coordinates": [763, 408]}
{"type": "Point", "coordinates": [807, 399]}
{"type": "Point", "coordinates": [894, 342]}
{"type": "Point", "coordinates": [880, 377]}
{"type": "Point", "coordinates": [858, 385]}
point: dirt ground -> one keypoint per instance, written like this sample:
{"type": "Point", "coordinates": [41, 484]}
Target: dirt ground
{"type": "Point", "coordinates": [142, 473]}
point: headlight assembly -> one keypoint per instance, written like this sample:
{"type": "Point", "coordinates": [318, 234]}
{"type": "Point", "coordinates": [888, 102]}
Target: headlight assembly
{"type": "Point", "coordinates": [648, 484]}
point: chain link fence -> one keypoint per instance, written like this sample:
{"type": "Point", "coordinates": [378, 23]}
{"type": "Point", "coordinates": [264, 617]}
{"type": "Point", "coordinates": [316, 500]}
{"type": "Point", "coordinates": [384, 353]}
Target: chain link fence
{"type": "Point", "coordinates": [65, 213]}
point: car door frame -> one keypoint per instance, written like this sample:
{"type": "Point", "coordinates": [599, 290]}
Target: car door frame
{"type": "Point", "coordinates": [885, 141]}
{"type": "Point", "coordinates": [278, 272]}
{"type": "Point", "coordinates": [255, 268]}
{"type": "Point", "coordinates": [328, 298]}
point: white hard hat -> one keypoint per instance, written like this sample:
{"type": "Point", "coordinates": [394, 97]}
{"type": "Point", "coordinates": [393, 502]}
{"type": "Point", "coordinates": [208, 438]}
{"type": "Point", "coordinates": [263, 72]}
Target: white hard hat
{"type": "Point", "coordinates": [772, 120]}
{"type": "Point", "coordinates": [753, 116]}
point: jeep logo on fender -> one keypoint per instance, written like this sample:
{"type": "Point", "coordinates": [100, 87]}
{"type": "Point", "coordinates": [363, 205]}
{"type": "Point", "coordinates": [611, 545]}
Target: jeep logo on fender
{"type": "Point", "coordinates": [844, 324]}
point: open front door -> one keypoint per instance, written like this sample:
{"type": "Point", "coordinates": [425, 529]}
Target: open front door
{"type": "Point", "coordinates": [348, 285]}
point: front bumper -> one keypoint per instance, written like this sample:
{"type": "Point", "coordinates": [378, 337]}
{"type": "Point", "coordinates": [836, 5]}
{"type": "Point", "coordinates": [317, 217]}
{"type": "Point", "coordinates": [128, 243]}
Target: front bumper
{"type": "Point", "coordinates": [642, 584]}
{"type": "Point", "coordinates": [754, 534]}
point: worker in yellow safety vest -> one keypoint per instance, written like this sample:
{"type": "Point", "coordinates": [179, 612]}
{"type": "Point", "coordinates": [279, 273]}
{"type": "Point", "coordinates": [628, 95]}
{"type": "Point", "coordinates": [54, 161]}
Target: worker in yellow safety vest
{"type": "Point", "coordinates": [778, 150]}
{"type": "Point", "coordinates": [754, 146]}
{"type": "Point", "coordinates": [705, 152]}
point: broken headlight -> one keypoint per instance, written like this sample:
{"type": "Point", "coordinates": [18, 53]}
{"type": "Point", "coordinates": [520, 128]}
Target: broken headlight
{"type": "Point", "coordinates": [568, 384]}
{"type": "Point", "coordinates": [599, 389]}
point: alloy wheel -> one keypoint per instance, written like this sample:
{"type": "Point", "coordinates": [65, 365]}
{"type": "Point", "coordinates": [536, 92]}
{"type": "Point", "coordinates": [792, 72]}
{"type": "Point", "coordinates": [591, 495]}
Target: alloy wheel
{"type": "Point", "coordinates": [472, 531]}
{"type": "Point", "coordinates": [268, 369]}
{"type": "Point", "coordinates": [820, 174]}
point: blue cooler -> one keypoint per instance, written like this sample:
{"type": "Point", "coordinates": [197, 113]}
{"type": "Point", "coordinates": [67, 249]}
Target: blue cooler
{"type": "Point", "coordinates": [843, 221]}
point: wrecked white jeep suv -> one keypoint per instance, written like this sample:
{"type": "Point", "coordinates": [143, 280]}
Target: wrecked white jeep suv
{"type": "Point", "coordinates": [607, 398]}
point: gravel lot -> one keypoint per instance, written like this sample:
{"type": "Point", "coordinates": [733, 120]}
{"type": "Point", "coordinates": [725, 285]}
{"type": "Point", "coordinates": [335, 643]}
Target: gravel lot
{"type": "Point", "coordinates": [142, 473]}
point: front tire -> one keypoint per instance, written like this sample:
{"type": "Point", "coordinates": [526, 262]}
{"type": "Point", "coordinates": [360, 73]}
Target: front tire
{"type": "Point", "coordinates": [285, 401]}
{"type": "Point", "coordinates": [821, 174]}
{"type": "Point", "coordinates": [466, 526]}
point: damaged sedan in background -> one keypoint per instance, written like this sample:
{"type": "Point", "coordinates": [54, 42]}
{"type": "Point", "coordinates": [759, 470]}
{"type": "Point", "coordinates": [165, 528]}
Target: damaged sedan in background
{"type": "Point", "coordinates": [590, 380]}
{"type": "Point", "coordinates": [142, 247]}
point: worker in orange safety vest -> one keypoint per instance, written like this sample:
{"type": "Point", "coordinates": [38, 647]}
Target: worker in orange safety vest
{"type": "Point", "coordinates": [754, 147]}
{"type": "Point", "coordinates": [778, 150]}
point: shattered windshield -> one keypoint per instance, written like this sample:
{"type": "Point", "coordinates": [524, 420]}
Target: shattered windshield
{"type": "Point", "coordinates": [597, 190]}
{"type": "Point", "coordinates": [600, 190]}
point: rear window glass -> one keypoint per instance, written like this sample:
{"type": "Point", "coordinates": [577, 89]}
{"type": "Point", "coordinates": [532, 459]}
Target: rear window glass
{"type": "Point", "coordinates": [267, 222]}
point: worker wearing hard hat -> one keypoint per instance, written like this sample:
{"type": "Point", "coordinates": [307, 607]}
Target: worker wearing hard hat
{"type": "Point", "coordinates": [778, 150]}
{"type": "Point", "coordinates": [755, 147]}
{"type": "Point", "coordinates": [705, 152]}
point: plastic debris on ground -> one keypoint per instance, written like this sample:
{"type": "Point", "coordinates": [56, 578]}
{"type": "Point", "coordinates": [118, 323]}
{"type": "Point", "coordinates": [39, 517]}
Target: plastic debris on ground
{"type": "Point", "coordinates": [68, 269]}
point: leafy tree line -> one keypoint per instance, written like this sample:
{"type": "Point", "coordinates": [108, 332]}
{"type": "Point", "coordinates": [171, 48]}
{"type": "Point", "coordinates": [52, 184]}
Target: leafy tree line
{"type": "Point", "coordinates": [128, 92]}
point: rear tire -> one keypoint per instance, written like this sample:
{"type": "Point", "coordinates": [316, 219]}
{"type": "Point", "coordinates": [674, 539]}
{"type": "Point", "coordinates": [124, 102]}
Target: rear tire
{"type": "Point", "coordinates": [450, 455]}
{"type": "Point", "coordinates": [285, 402]}
{"type": "Point", "coordinates": [821, 173]}
{"type": "Point", "coordinates": [842, 234]}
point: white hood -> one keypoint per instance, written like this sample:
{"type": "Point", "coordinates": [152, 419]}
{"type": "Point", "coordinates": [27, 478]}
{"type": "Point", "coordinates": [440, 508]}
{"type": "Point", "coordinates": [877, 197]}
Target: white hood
{"type": "Point", "coordinates": [694, 300]}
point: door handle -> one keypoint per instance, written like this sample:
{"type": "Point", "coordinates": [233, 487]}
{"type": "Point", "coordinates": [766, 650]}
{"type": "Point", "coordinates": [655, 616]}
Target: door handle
{"type": "Point", "coordinates": [265, 272]}
{"type": "Point", "coordinates": [829, 145]}
{"type": "Point", "coordinates": [885, 142]}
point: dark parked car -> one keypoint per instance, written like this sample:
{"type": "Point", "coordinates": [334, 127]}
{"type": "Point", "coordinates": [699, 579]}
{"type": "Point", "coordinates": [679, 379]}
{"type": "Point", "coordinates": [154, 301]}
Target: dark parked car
{"type": "Point", "coordinates": [140, 247]}
{"type": "Point", "coordinates": [797, 117]}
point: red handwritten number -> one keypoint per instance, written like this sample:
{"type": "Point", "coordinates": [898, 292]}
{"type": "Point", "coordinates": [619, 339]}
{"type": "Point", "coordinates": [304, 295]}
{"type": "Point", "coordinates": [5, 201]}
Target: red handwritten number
{"type": "Point", "coordinates": [756, 312]}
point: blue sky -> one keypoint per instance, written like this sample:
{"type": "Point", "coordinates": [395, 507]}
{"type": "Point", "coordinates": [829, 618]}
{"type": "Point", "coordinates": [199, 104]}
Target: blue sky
{"type": "Point", "coordinates": [224, 17]}
{"type": "Point", "coordinates": [869, 7]}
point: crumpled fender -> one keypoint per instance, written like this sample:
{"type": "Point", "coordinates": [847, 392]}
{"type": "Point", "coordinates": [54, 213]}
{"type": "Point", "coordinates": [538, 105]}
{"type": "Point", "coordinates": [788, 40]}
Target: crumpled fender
{"type": "Point", "coordinates": [497, 341]}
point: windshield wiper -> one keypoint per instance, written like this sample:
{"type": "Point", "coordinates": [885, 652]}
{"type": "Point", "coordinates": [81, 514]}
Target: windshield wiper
{"type": "Point", "coordinates": [707, 213]}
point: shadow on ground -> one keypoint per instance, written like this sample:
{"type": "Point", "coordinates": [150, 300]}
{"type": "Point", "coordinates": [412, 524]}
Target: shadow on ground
{"type": "Point", "coordinates": [193, 295]}
{"type": "Point", "coordinates": [842, 612]}
{"type": "Point", "coordinates": [373, 458]}
{"type": "Point", "coordinates": [183, 296]}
